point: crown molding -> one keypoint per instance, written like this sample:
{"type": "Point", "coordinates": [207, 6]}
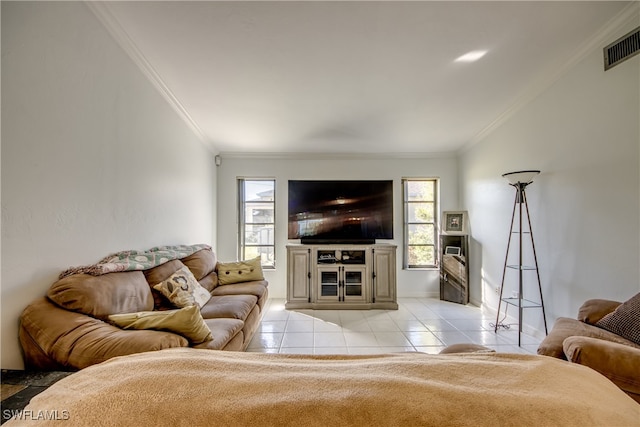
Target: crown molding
{"type": "Point", "coordinates": [335, 156]}
{"type": "Point", "coordinates": [599, 39]}
{"type": "Point", "coordinates": [101, 10]}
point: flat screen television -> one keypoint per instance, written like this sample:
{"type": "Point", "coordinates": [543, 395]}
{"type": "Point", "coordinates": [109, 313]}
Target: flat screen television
{"type": "Point", "coordinates": [340, 211]}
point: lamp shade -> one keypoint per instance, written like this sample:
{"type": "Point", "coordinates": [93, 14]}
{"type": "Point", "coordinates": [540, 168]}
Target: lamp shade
{"type": "Point", "coordinates": [520, 177]}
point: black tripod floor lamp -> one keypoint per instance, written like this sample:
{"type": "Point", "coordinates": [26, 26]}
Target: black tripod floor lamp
{"type": "Point", "coordinates": [520, 180]}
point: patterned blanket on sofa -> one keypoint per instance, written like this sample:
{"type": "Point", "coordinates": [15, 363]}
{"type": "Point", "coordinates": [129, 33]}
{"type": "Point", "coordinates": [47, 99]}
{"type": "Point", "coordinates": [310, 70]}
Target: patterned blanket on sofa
{"type": "Point", "coordinates": [136, 260]}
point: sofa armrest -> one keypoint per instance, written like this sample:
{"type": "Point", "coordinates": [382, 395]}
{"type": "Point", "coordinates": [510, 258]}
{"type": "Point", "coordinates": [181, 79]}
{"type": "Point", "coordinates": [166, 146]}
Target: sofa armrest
{"type": "Point", "coordinates": [53, 336]}
{"type": "Point", "coordinates": [618, 362]}
{"type": "Point", "coordinates": [595, 309]}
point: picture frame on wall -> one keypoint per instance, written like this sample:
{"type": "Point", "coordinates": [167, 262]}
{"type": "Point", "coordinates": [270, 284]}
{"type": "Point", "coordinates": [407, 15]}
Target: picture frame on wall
{"type": "Point", "coordinates": [454, 222]}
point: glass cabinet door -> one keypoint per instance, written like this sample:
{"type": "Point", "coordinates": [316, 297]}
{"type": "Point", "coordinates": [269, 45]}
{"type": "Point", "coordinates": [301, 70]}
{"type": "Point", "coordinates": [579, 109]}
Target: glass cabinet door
{"type": "Point", "coordinates": [329, 282]}
{"type": "Point", "coordinates": [353, 283]}
{"type": "Point", "coordinates": [339, 283]}
{"type": "Point", "coordinates": [354, 289]}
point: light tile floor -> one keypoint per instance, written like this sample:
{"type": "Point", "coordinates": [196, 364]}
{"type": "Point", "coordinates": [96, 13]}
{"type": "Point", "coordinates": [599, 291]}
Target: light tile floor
{"type": "Point", "coordinates": [420, 324]}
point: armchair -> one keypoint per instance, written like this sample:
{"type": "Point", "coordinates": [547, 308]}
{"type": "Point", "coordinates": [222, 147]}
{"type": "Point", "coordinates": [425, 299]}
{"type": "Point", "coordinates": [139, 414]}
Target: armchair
{"type": "Point", "coordinates": [582, 341]}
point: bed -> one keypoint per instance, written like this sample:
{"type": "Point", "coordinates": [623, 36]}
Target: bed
{"type": "Point", "coordinates": [193, 387]}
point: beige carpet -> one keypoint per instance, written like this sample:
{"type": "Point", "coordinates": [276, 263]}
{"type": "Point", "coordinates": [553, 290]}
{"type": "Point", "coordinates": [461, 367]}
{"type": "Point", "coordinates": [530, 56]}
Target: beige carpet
{"type": "Point", "coordinates": [202, 387]}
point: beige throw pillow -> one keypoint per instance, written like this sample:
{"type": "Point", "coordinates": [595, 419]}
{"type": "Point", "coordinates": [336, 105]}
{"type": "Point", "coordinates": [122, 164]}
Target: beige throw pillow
{"type": "Point", "coordinates": [241, 271]}
{"type": "Point", "coordinates": [183, 290]}
{"type": "Point", "coordinates": [187, 322]}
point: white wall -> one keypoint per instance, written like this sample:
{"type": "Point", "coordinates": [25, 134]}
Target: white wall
{"type": "Point", "coordinates": [582, 133]}
{"type": "Point", "coordinates": [410, 283]}
{"type": "Point", "coordinates": [94, 160]}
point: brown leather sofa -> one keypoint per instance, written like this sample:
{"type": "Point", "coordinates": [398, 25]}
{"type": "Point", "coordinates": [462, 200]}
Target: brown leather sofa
{"type": "Point", "coordinates": [580, 341]}
{"type": "Point", "coordinates": [69, 329]}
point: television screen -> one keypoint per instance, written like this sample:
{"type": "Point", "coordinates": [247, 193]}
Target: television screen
{"type": "Point", "coordinates": [340, 211]}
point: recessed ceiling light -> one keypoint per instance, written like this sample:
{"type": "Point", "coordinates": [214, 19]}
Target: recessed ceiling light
{"type": "Point", "coordinates": [474, 55]}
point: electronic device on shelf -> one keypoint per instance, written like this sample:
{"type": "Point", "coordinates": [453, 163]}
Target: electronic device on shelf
{"type": "Point", "coordinates": [326, 259]}
{"type": "Point", "coordinates": [452, 250]}
{"type": "Point", "coordinates": [352, 257]}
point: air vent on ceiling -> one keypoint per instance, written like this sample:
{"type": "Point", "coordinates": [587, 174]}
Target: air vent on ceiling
{"type": "Point", "coordinates": [622, 49]}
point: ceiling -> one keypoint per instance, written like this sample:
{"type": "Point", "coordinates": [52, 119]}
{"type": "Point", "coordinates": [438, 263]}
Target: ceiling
{"type": "Point", "coordinates": [350, 76]}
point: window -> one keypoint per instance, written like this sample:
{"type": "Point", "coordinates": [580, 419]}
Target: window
{"type": "Point", "coordinates": [256, 223]}
{"type": "Point", "coordinates": [420, 222]}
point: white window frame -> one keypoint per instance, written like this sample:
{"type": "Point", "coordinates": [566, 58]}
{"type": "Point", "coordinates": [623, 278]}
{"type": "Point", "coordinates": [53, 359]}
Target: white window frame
{"type": "Point", "coordinates": [406, 223]}
{"type": "Point", "coordinates": [242, 221]}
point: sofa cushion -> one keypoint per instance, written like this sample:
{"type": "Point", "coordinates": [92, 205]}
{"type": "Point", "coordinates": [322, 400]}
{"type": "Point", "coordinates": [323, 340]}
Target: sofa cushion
{"type": "Point", "coordinates": [565, 327]}
{"type": "Point", "coordinates": [75, 340]}
{"type": "Point", "coordinates": [210, 281]}
{"type": "Point", "coordinates": [256, 288]}
{"type": "Point", "coordinates": [100, 296]}
{"type": "Point", "coordinates": [158, 274]}
{"type": "Point", "coordinates": [624, 320]}
{"type": "Point", "coordinates": [615, 361]}
{"type": "Point", "coordinates": [183, 290]}
{"type": "Point", "coordinates": [595, 309]}
{"type": "Point", "coordinates": [201, 263]}
{"type": "Point", "coordinates": [229, 306]}
{"type": "Point", "coordinates": [223, 331]}
{"type": "Point", "coordinates": [186, 321]}
{"type": "Point", "coordinates": [240, 271]}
